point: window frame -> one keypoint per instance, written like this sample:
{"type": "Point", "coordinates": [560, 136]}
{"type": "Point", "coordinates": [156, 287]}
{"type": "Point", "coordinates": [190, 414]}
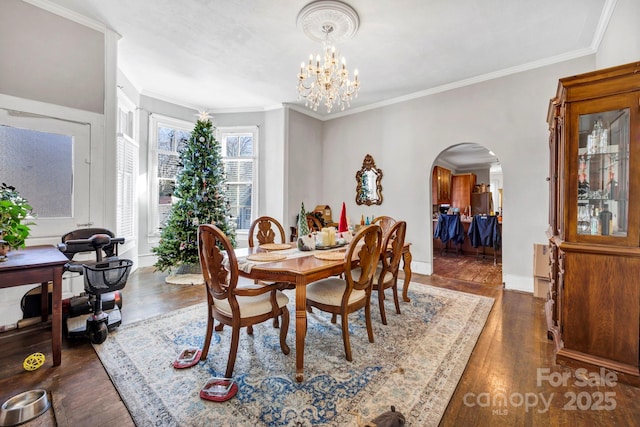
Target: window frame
{"type": "Point", "coordinates": [155, 121]}
{"type": "Point", "coordinates": [126, 140]}
{"type": "Point", "coordinates": [224, 131]}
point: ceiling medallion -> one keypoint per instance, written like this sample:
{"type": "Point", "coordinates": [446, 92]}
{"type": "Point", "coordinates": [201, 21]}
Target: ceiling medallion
{"type": "Point", "coordinates": [325, 79]}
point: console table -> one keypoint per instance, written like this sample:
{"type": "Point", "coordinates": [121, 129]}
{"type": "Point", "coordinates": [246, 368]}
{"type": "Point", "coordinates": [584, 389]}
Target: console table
{"type": "Point", "coordinates": [39, 264]}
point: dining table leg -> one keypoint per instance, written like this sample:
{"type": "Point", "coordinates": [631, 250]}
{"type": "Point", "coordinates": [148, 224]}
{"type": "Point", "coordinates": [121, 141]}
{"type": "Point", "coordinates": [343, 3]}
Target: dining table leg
{"type": "Point", "coordinates": [56, 321]}
{"type": "Point", "coordinates": [301, 326]}
{"type": "Point", "coordinates": [406, 267]}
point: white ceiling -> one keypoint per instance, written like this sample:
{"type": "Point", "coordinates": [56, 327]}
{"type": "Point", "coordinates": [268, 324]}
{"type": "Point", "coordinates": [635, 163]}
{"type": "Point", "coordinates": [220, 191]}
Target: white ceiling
{"type": "Point", "coordinates": [244, 55]}
{"type": "Point", "coordinates": [221, 55]}
{"type": "Point", "coordinates": [469, 157]}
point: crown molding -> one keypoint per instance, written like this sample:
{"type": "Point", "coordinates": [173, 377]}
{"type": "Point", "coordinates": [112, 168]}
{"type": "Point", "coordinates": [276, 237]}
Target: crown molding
{"type": "Point", "coordinates": [470, 81]}
{"type": "Point", "coordinates": [71, 15]}
{"type": "Point", "coordinates": [603, 23]}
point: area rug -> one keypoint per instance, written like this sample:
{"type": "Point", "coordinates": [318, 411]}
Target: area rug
{"type": "Point", "coordinates": [414, 365]}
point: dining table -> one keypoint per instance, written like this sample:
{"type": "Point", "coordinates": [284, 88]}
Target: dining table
{"type": "Point", "coordinates": [302, 268]}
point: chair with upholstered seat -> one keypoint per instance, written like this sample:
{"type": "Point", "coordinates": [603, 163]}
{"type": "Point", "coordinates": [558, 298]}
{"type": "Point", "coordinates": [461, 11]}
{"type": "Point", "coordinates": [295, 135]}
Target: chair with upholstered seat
{"type": "Point", "coordinates": [229, 304]}
{"type": "Point", "coordinates": [340, 296]}
{"type": "Point", "coordinates": [265, 229]}
{"type": "Point", "coordinates": [314, 223]}
{"type": "Point", "coordinates": [385, 222]}
{"type": "Point", "coordinates": [386, 275]}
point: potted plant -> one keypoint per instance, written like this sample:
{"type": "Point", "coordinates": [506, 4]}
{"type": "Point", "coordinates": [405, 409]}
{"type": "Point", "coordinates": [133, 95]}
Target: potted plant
{"type": "Point", "coordinates": [15, 214]}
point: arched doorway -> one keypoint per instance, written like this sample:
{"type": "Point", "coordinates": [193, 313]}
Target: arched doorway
{"type": "Point", "coordinates": [466, 181]}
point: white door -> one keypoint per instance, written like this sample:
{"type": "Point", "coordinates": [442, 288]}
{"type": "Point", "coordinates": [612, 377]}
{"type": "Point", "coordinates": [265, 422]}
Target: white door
{"type": "Point", "coordinates": [48, 161]}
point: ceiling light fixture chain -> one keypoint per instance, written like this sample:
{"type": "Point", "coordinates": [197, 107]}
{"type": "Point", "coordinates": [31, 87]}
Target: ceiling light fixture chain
{"type": "Point", "coordinates": [325, 80]}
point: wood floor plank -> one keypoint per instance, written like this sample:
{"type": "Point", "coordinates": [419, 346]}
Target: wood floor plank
{"type": "Point", "coordinates": [511, 350]}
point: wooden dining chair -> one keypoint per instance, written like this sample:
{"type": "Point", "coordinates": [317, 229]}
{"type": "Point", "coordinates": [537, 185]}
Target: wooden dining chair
{"type": "Point", "coordinates": [262, 230]}
{"type": "Point", "coordinates": [341, 296]}
{"type": "Point", "coordinates": [229, 304]}
{"type": "Point", "coordinates": [385, 222]}
{"type": "Point", "coordinates": [314, 223]}
{"type": "Point", "coordinates": [265, 229]}
{"type": "Point", "coordinates": [386, 275]}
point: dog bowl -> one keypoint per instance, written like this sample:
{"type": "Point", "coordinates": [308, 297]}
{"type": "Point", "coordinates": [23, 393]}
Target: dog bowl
{"type": "Point", "coordinates": [24, 407]}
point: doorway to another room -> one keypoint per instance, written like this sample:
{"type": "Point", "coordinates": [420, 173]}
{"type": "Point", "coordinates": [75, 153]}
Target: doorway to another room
{"type": "Point", "coordinates": [467, 215]}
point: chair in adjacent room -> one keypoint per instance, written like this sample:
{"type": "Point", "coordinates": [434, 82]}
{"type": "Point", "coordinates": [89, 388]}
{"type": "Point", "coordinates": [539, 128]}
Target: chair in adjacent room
{"type": "Point", "coordinates": [229, 304]}
{"type": "Point", "coordinates": [265, 229]}
{"type": "Point", "coordinates": [485, 231]}
{"type": "Point", "coordinates": [449, 228]}
{"type": "Point", "coordinates": [386, 275]}
{"type": "Point", "coordinates": [341, 296]}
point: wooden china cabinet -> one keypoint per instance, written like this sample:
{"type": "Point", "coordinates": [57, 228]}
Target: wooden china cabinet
{"type": "Point", "coordinates": [462, 186]}
{"type": "Point", "coordinates": [441, 186]}
{"type": "Point", "coordinates": [593, 303]}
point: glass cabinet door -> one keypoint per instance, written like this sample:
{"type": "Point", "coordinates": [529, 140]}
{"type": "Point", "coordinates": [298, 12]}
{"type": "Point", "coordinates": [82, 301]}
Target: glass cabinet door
{"type": "Point", "coordinates": [603, 173]}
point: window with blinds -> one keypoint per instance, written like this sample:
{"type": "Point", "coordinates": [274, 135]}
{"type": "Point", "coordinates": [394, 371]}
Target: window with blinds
{"type": "Point", "coordinates": [127, 171]}
{"type": "Point", "coordinates": [239, 152]}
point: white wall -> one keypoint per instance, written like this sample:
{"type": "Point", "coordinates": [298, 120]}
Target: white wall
{"type": "Point", "coordinates": [305, 164]}
{"type": "Point", "coordinates": [621, 42]}
{"type": "Point", "coordinates": [506, 115]}
{"type": "Point", "coordinates": [48, 58]}
{"type": "Point", "coordinates": [272, 186]}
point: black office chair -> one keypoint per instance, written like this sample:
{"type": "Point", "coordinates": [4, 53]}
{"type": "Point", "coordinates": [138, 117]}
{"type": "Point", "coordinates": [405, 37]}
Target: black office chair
{"type": "Point", "coordinates": [485, 231]}
{"type": "Point", "coordinates": [449, 228]}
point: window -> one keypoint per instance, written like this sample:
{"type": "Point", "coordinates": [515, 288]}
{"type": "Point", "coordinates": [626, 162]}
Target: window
{"type": "Point", "coordinates": [239, 152]}
{"type": "Point", "coordinates": [167, 136]}
{"type": "Point", "coordinates": [47, 159]}
{"type": "Point", "coordinates": [127, 170]}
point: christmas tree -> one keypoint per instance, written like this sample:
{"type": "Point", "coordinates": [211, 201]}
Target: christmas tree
{"type": "Point", "coordinates": [201, 199]}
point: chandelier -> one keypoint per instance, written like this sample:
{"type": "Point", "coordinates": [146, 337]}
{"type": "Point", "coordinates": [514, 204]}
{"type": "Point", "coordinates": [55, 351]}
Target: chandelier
{"type": "Point", "coordinates": [325, 79]}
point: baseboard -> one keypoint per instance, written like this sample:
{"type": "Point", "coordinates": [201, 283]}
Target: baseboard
{"type": "Point", "coordinates": [518, 283]}
{"type": "Point", "coordinates": [420, 267]}
{"type": "Point", "coordinates": [147, 260]}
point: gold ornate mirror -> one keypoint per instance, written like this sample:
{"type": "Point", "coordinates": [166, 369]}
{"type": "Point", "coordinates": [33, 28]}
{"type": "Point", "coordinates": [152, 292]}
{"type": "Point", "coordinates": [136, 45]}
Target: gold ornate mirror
{"type": "Point", "coordinates": [369, 188]}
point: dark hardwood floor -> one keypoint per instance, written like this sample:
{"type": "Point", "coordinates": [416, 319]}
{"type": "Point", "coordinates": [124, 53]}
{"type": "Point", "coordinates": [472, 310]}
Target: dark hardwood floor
{"type": "Point", "coordinates": [477, 269]}
{"type": "Point", "coordinates": [512, 359]}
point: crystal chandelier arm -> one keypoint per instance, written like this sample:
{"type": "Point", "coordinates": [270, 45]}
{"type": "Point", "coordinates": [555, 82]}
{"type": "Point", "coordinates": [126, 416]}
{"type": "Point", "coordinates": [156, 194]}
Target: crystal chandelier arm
{"type": "Point", "coordinates": [325, 79]}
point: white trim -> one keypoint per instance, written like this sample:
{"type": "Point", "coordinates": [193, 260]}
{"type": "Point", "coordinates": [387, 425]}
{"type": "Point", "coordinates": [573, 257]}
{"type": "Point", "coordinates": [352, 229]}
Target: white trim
{"type": "Point", "coordinates": [306, 111]}
{"type": "Point", "coordinates": [108, 196]}
{"type": "Point", "coordinates": [601, 29]}
{"type": "Point", "coordinates": [50, 110]}
{"type": "Point", "coordinates": [152, 164]}
{"type": "Point", "coordinates": [420, 267]}
{"type": "Point", "coordinates": [467, 82]}
{"type": "Point", "coordinates": [171, 100]}
{"type": "Point", "coordinates": [71, 15]}
{"type": "Point", "coordinates": [518, 283]}
{"type": "Point", "coordinates": [211, 111]}
{"type": "Point", "coordinates": [96, 136]}
{"type": "Point", "coordinates": [255, 186]}
{"type": "Point", "coordinates": [125, 103]}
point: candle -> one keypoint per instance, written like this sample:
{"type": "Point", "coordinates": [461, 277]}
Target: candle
{"type": "Point", "coordinates": [332, 236]}
{"type": "Point", "coordinates": [322, 238]}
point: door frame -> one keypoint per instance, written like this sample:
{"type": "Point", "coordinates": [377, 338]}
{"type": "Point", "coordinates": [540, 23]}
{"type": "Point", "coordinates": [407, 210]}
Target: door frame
{"type": "Point", "coordinates": [99, 190]}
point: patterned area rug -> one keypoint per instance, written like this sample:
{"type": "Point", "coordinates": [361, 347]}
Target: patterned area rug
{"type": "Point", "coordinates": [414, 364]}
